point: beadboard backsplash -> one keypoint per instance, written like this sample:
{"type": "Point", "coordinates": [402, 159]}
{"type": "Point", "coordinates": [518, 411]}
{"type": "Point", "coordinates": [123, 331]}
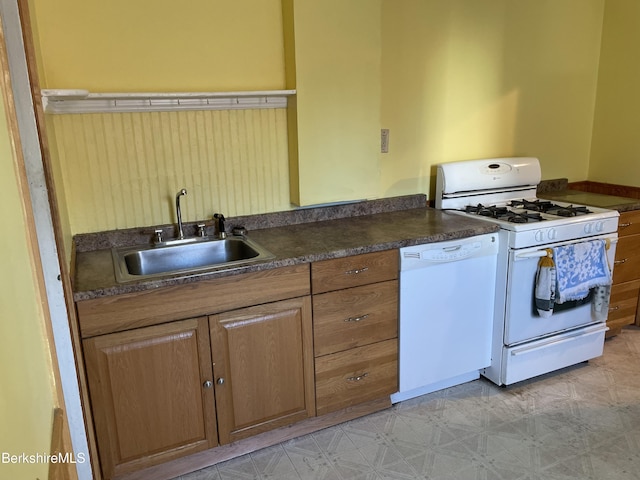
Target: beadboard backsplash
{"type": "Point", "coordinates": [121, 170]}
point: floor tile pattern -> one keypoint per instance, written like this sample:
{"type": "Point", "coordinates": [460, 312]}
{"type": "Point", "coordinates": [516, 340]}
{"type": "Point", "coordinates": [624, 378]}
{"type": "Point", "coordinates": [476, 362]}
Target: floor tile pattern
{"type": "Point", "coordinates": [579, 423]}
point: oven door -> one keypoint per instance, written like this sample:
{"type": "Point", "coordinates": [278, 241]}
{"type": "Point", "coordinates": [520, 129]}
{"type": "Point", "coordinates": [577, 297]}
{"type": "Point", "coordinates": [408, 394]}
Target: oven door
{"type": "Point", "coordinates": [522, 321]}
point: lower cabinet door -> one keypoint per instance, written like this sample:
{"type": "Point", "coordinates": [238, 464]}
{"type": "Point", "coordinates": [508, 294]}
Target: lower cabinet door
{"type": "Point", "coordinates": [263, 367]}
{"type": "Point", "coordinates": [151, 394]}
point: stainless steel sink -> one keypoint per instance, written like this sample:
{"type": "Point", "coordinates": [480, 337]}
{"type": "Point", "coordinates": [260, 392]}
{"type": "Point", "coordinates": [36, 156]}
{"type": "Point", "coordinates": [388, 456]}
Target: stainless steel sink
{"type": "Point", "coordinates": [187, 257]}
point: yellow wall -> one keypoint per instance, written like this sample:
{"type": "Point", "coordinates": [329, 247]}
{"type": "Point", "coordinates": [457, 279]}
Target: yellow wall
{"type": "Point", "coordinates": [451, 79]}
{"type": "Point", "coordinates": [333, 55]}
{"type": "Point", "coordinates": [463, 79]}
{"type": "Point", "coordinates": [27, 395]}
{"type": "Point", "coordinates": [160, 45]}
{"type": "Point", "coordinates": [616, 141]}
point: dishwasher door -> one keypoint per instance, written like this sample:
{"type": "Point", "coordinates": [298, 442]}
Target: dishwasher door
{"type": "Point", "coordinates": [447, 292]}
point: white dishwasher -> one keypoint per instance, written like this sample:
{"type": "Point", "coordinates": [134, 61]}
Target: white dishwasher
{"type": "Point", "coordinates": [447, 292]}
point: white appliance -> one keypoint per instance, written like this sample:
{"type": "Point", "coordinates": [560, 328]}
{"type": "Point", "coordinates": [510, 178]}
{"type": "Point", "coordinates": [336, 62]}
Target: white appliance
{"type": "Point", "coordinates": [503, 191]}
{"type": "Point", "coordinates": [447, 291]}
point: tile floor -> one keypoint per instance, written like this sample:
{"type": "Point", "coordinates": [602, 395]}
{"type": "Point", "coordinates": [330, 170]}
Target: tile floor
{"type": "Point", "coordinates": [579, 423]}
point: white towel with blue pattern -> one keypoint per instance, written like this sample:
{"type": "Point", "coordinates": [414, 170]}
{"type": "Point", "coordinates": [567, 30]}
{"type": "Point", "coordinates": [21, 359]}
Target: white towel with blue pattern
{"type": "Point", "coordinates": [579, 268]}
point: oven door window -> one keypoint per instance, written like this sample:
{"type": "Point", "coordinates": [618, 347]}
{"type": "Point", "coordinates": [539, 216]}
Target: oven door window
{"type": "Point", "coordinates": [522, 322]}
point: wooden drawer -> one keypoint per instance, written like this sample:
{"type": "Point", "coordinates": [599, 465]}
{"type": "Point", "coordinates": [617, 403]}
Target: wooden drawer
{"type": "Point", "coordinates": [623, 304]}
{"type": "Point", "coordinates": [627, 263]}
{"type": "Point", "coordinates": [339, 273]}
{"type": "Point", "coordinates": [629, 223]}
{"type": "Point", "coordinates": [358, 375]}
{"type": "Point", "coordinates": [354, 317]}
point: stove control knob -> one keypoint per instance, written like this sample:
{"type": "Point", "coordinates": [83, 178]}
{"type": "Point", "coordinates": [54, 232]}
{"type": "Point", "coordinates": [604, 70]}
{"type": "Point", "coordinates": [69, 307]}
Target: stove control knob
{"type": "Point", "coordinates": [599, 226]}
{"type": "Point", "coordinates": [552, 234]}
{"type": "Point", "coordinates": [588, 228]}
{"type": "Point", "coordinates": [539, 235]}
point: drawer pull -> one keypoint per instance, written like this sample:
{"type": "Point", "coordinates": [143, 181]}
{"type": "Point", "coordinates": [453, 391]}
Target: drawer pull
{"type": "Point", "coordinates": [613, 309]}
{"type": "Point", "coordinates": [624, 225]}
{"type": "Point", "coordinates": [357, 378]}
{"type": "Point", "coordinates": [356, 271]}
{"type": "Point", "coordinates": [619, 262]}
{"type": "Point", "coordinates": [356, 319]}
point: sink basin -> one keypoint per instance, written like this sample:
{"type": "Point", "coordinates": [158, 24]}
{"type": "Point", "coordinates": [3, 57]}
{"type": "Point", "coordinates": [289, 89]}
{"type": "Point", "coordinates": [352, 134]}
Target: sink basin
{"type": "Point", "coordinates": [194, 256]}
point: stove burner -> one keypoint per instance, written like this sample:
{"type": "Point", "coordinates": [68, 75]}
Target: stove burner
{"type": "Point", "coordinates": [545, 206]}
{"type": "Point", "coordinates": [535, 205]}
{"type": "Point", "coordinates": [569, 211]}
{"type": "Point", "coordinates": [525, 217]}
{"type": "Point", "coordinates": [503, 213]}
{"type": "Point", "coordinates": [487, 211]}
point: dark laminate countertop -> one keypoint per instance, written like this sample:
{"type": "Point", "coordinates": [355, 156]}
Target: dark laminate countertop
{"type": "Point", "coordinates": [559, 191]}
{"type": "Point", "coordinates": [578, 197]}
{"type": "Point", "coordinates": [299, 243]}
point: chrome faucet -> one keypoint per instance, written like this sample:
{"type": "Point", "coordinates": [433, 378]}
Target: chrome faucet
{"type": "Point", "coordinates": [179, 213]}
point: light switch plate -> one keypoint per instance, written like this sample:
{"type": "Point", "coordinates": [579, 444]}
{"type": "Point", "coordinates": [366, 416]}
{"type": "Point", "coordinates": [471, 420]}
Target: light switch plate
{"type": "Point", "coordinates": [384, 140]}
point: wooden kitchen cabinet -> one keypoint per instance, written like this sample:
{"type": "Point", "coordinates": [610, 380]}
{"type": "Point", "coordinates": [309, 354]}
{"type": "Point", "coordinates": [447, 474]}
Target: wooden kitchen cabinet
{"type": "Point", "coordinates": [150, 374]}
{"type": "Point", "coordinates": [263, 367]}
{"type": "Point", "coordinates": [623, 306]}
{"type": "Point", "coordinates": [151, 394]}
{"type": "Point", "coordinates": [355, 309]}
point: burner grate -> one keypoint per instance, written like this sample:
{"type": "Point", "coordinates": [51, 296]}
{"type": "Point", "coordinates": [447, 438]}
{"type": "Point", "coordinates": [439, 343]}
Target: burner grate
{"type": "Point", "coordinates": [569, 211]}
{"type": "Point", "coordinates": [545, 206]}
{"type": "Point", "coordinates": [503, 213]}
{"type": "Point", "coordinates": [487, 210]}
{"type": "Point", "coordinates": [535, 205]}
{"type": "Point", "coordinates": [524, 217]}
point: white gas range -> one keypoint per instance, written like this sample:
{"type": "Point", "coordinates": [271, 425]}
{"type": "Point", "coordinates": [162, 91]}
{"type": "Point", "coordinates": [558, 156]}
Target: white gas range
{"type": "Point", "coordinates": [503, 191]}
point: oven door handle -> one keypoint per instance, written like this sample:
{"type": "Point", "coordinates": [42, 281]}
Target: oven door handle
{"type": "Point", "coordinates": [536, 254]}
{"type": "Point", "coordinates": [543, 253]}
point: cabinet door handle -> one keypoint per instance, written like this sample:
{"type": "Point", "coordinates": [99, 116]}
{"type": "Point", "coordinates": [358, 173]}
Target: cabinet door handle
{"type": "Point", "coordinates": [356, 319]}
{"type": "Point", "coordinates": [618, 262]}
{"type": "Point", "coordinates": [624, 225]}
{"type": "Point", "coordinates": [357, 378]}
{"type": "Point", "coordinates": [613, 309]}
{"type": "Point", "coordinates": [207, 384]}
{"type": "Point", "coordinates": [356, 271]}
{"type": "Point", "coordinates": [220, 381]}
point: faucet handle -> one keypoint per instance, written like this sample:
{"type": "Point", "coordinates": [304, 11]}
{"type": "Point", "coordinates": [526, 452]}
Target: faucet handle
{"type": "Point", "coordinates": [157, 235]}
{"type": "Point", "coordinates": [201, 229]}
{"type": "Point", "coordinates": [221, 229]}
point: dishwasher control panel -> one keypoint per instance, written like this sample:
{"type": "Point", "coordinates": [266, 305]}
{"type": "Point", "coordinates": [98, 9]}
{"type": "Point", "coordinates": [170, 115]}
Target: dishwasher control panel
{"type": "Point", "coordinates": [450, 251]}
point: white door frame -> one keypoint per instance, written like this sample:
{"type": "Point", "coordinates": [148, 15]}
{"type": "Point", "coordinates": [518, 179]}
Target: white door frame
{"type": "Point", "coordinates": [47, 246]}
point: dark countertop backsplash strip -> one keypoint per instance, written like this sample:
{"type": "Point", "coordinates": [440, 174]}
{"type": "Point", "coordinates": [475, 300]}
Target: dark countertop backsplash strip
{"type": "Point", "coordinates": [87, 242]}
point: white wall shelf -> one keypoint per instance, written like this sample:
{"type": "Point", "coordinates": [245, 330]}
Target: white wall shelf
{"type": "Point", "coordinates": [82, 101]}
